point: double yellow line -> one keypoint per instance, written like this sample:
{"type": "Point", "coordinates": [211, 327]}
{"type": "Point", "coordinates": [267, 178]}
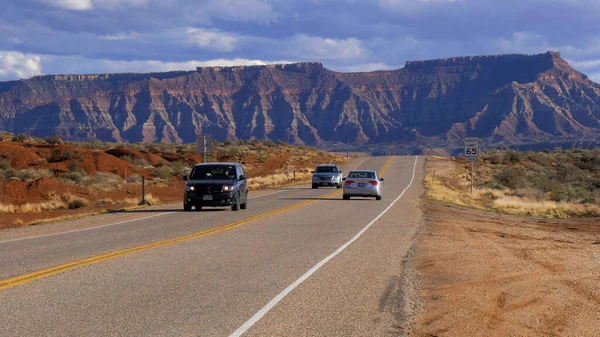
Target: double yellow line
{"type": "Point", "coordinates": [15, 281]}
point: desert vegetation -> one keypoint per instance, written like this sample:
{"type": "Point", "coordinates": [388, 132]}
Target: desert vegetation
{"type": "Point", "coordinates": [559, 183]}
{"type": "Point", "coordinates": [43, 176]}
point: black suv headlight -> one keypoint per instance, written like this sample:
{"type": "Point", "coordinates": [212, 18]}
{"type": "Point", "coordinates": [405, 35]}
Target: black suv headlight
{"type": "Point", "coordinates": [190, 188]}
{"type": "Point", "coordinates": [227, 188]}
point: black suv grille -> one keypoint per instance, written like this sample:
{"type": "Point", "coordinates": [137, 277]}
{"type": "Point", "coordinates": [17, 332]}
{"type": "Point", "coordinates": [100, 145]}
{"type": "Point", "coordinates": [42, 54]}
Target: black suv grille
{"type": "Point", "coordinates": [208, 188]}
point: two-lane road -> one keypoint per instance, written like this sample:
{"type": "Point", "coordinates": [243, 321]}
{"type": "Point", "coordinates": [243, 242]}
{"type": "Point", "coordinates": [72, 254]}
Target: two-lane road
{"type": "Point", "coordinates": [298, 262]}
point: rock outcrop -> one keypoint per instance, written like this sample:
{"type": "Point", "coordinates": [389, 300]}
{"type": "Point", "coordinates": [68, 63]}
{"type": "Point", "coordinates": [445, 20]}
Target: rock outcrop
{"type": "Point", "coordinates": [505, 97]}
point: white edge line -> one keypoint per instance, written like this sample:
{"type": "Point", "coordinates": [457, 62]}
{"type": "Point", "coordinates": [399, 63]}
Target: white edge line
{"type": "Point", "coordinates": [122, 222]}
{"type": "Point", "coordinates": [254, 319]}
{"type": "Point", "coordinates": [86, 229]}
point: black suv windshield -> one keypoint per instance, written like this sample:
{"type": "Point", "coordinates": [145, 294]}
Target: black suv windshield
{"type": "Point", "coordinates": [326, 169]}
{"type": "Point", "coordinates": [214, 172]}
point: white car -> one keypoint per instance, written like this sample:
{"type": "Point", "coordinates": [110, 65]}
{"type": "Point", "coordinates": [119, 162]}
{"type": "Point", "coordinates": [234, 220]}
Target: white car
{"type": "Point", "coordinates": [327, 175]}
{"type": "Point", "coordinates": [362, 183]}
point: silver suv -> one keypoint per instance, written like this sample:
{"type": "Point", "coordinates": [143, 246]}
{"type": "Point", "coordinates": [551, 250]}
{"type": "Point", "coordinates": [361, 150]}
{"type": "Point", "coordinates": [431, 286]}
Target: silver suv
{"type": "Point", "coordinates": [327, 175]}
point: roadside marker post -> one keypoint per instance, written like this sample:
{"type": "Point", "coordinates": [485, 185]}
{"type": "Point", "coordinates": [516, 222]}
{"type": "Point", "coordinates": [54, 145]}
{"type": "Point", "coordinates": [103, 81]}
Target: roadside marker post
{"type": "Point", "coordinates": [204, 144]}
{"type": "Point", "coordinates": [472, 153]}
{"type": "Point", "coordinates": [143, 189]}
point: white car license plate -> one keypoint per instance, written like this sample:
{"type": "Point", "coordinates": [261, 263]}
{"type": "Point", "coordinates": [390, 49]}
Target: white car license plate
{"type": "Point", "coordinates": [207, 197]}
{"type": "Point", "coordinates": [361, 184]}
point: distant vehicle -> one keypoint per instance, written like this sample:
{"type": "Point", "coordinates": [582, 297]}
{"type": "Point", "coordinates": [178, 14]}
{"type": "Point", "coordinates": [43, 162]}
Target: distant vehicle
{"type": "Point", "coordinates": [327, 175]}
{"type": "Point", "coordinates": [362, 183]}
{"type": "Point", "coordinates": [216, 185]}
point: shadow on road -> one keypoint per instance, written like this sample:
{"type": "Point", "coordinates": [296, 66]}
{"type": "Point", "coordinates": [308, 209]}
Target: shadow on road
{"type": "Point", "coordinates": [330, 199]}
{"type": "Point", "coordinates": [167, 210]}
{"type": "Point", "coordinates": [315, 198]}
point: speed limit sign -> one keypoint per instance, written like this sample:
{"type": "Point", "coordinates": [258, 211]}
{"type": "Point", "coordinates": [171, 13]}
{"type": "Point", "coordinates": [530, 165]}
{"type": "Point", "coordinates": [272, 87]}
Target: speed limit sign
{"type": "Point", "coordinates": [472, 148]}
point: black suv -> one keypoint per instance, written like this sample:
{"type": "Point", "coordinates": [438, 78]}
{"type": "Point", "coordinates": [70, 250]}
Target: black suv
{"type": "Point", "coordinates": [216, 184]}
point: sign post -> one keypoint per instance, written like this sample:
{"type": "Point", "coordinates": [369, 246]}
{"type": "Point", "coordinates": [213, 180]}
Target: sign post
{"type": "Point", "coordinates": [472, 152]}
{"type": "Point", "coordinates": [204, 144]}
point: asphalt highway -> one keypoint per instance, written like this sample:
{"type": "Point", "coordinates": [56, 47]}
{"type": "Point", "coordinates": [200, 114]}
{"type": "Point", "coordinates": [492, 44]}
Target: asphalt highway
{"type": "Point", "coordinates": [297, 262]}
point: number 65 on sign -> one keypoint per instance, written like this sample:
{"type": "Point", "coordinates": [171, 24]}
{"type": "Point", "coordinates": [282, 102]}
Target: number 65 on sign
{"type": "Point", "coordinates": [472, 148]}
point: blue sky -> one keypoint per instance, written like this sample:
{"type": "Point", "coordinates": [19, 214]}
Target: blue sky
{"type": "Point", "coordinates": [98, 36]}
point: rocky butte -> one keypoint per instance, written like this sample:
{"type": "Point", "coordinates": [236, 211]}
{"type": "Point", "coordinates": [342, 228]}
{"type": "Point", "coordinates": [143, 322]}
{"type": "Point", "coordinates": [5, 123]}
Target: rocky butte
{"type": "Point", "coordinates": [500, 98]}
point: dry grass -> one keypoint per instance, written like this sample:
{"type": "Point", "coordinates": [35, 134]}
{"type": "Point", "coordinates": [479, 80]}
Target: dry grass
{"type": "Point", "coordinates": [279, 179]}
{"type": "Point", "coordinates": [33, 207]}
{"type": "Point", "coordinates": [105, 202]}
{"type": "Point", "coordinates": [544, 208]}
{"type": "Point", "coordinates": [103, 181]}
{"type": "Point", "coordinates": [150, 200]}
{"type": "Point", "coordinates": [74, 202]}
{"type": "Point", "coordinates": [18, 222]}
{"type": "Point", "coordinates": [453, 186]}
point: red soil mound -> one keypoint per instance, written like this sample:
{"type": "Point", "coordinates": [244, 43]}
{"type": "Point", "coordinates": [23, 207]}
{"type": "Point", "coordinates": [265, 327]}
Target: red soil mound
{"type": "Point", "coordinates": [96, 161]}
{"type": "Point", "coordinates": [17, 192]}
{"type": "Point", "coordinates": [19, 156]}
{"type": "Point", "coordinates": [146, 156]}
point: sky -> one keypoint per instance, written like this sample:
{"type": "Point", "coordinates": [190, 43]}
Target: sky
{"type": "Point", "coordinates": [107, 36]}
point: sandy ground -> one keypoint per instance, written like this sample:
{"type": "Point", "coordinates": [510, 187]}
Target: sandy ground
{"type": "Point", "coordinates": [489, 274]}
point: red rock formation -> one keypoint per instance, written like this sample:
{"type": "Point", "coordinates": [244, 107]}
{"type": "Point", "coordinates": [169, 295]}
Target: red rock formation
{"type": "Point", "coordinates": [506, 97]}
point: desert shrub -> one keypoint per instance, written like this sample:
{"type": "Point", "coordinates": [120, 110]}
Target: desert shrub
{"type": "Point", "coordinates": [263, 156]}
{"type": "Point", "coordinates": [53, 139]}
{"type": "Point", "coordinates": [127, 158]}
{"type": "Point", "coordinates": [6, 173]}
{"type": "Point", "coordinates": [74, 202]}
{"type": "Point", "coordinates": [6, 136]}
{"type": "Point", "coordinates": [33, 174]}
{"type": "Point", "coordinates": [573, 194]}
{"type": "Point", "coordinates": [150, 200]}
{"type": "Point", "coordinates": [133, 179]}
{"type": "Point", "coordinates": [105, 202]}
{"type": "Point", "coordinates": [72, 177]}
{"type": "Point", "coordinates": [140, 162]}
{"type": "Point", "coordinates": [180, 169]}
{"type": "Point", "coordinates": [511, 177]}
{"type": "Point", "coordinates": [103, 181]}
{"type": "Point", "coordinates": [20, 137]}
{"type": "Point", "coordinates": [163, 172]}
{"type": "Point", "coordinates": [96, 144]}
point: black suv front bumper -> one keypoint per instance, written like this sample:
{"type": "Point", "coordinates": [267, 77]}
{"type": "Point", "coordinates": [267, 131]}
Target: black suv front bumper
{"type": "Point", "coordinates": [214, 199]}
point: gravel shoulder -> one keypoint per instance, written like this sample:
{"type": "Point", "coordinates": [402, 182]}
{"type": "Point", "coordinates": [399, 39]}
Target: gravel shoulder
{"type": "Point", "coordinates": [490, 274]}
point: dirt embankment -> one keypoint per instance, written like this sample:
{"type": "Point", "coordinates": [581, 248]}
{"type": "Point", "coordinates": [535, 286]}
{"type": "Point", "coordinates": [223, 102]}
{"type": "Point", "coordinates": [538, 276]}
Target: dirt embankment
{"type": "Point", "coordinates": [41, 181]}
{"type": "Point", "coordinates": [492, 274]}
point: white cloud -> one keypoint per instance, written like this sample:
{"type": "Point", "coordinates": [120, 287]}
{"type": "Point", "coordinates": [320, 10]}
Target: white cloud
{"type": "Point", "coordinates": [119, 3]}
{"type": "Point", "coordinates": [365, 67]}
{"type": "Point", "coordinates": [319, 48]}
{"type": "Point", "coordinates": [523, 42]}
{"type": "Point", "coordinates": [410, 5]}
{"type": "Point", "coordinates": [84, 5]}
{"type": "Point", "coordinates": [121, 36]}
{"type": "Point", "coordinates": [15, 65]}
{"type": "Point", "coordinates": [586, 64]}
{"type": "Point", "coordinates": [112, 66]}
{"type": "Point", "coordinates": [531, 43]}
{"type": "Point", "coordinates": [74, 5]}
{"type": "Point", "coordinates": [212, 39]}
{"type": "Point", "coordinates": [595, 77]}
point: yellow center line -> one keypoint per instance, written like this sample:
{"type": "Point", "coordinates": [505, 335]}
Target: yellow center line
{"type": "Point", "coordinates": [22, 279]}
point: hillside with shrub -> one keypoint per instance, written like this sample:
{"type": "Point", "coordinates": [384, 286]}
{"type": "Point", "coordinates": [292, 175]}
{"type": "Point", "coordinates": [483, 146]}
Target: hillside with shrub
{"type": "Point", "coordinates": [561, 183]}
{"type": "Point", "coordinates": [43, 179]}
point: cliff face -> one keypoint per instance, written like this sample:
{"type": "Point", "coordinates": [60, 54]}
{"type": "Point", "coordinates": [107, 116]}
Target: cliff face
{"type": "Point", "coordinates": [497, 97]}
